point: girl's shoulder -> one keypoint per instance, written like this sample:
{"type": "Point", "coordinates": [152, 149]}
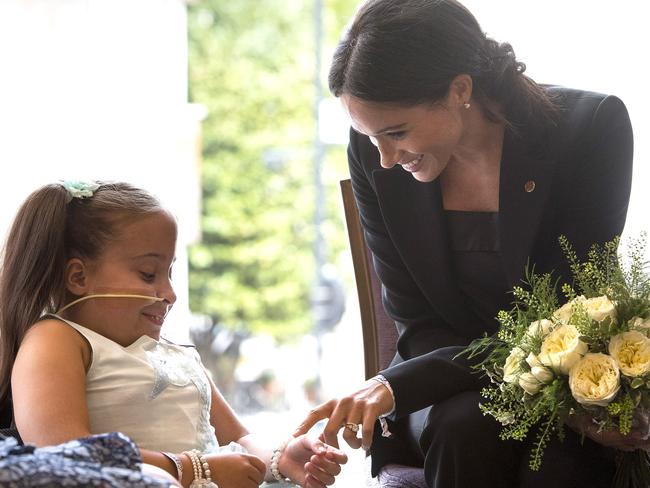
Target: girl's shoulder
{"type": "Point", "coordinates": [51, 333]}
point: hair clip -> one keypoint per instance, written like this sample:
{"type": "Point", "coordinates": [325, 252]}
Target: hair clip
{"type": "Point", "coordinates": [80, 189]}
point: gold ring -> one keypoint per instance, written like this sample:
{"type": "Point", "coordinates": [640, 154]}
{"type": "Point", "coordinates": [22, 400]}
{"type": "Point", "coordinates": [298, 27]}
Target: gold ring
{"type": "Point", "coordinates": [353, 427]}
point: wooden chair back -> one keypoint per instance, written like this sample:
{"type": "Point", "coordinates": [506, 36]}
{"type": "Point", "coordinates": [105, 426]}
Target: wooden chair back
{"type": "Point", "coordinates": [379, 332]}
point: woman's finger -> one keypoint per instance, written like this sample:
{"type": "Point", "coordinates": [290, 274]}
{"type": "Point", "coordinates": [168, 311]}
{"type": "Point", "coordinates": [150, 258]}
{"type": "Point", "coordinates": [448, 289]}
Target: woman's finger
{"type": "Point", "coordinates": [337, 420]}
{"type": "Point", "coordinates": [321, 412]}
{"type": "Point", "coordinates": [350, 434]}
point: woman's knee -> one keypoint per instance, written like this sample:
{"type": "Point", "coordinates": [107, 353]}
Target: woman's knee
{"type": "Point", "coordinates": [458, 421]}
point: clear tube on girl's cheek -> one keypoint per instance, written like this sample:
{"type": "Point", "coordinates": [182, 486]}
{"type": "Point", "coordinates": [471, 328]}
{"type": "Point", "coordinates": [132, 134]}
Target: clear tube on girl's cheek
{"type": "Point", "coordinates": [113, 298]}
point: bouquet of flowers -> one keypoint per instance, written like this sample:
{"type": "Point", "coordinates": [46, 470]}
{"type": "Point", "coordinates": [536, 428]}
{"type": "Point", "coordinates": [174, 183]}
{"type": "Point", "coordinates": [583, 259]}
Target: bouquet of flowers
{"type": "Point", "coordinates": [588, 358]}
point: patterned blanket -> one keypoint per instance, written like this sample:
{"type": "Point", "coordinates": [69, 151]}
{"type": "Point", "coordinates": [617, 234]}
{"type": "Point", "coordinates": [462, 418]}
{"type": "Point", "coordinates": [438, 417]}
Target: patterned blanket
{"type": "Point", "coordinates": [105, 460]}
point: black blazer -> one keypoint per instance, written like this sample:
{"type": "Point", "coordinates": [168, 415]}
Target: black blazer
{"type": "Point", "coordinates": [582, 174]}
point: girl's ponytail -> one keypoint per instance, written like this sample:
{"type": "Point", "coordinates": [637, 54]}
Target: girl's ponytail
{"type": "Point", "coordinates": [32, 272]}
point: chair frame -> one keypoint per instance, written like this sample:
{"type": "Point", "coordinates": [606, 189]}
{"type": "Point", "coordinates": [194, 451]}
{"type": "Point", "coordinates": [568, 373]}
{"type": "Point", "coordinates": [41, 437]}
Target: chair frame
{"type": "Point", "coordinates": [363, 274]}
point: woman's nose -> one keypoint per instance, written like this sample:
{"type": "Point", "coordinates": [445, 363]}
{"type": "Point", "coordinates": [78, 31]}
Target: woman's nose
{"type": "Point", "coordinates": [389, 155]}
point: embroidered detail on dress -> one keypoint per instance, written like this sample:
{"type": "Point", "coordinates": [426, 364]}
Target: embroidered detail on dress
{"type": "Point", "coordinates": [170, 367]}
{"type": "Point", "coordinates": [180, 367]}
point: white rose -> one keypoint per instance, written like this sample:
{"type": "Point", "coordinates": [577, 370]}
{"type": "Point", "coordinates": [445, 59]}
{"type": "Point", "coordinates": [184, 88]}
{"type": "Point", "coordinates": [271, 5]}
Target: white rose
{"type": "Point", "coordinates": [539, 328]}
{"type": "Point", "coordinates": [642, 325]}
{"type": "Point", "coordinates": [530, 383]}
{"type": "Point", "coordinates": [512, 368]}
{"type": "Point", "coordinates": [538, 370]}
{"type": "Point", "coordinates": [563, 314]}
{"type": "Point", "coordinates": [631, 350]}
{"type": "Point", "coordinates": [600, 308]}
{"type": "Point", "coordinates": [562, 348]}
{"type": "Point", "coordinates": [594, 379]}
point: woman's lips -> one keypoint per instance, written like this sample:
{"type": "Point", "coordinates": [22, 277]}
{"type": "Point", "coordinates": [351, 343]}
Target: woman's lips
{"type": "Point", "coordinates": [413, 165]}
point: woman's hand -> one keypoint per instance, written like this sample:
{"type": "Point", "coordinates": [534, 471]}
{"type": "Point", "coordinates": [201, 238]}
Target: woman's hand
{"type": "Point", "coordinates": [638, 438]}
{"type": "Point", "coordinates": [310, 463]}
{"type": "Point", "coordinates": [236, 470]}
{"type": "Point", "coordinates": [360, 408]}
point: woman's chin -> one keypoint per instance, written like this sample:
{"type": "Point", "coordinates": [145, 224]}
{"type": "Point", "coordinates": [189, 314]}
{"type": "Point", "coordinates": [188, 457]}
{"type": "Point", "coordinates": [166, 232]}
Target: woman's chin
{"type": "Point", "coordinates": [423, 176]}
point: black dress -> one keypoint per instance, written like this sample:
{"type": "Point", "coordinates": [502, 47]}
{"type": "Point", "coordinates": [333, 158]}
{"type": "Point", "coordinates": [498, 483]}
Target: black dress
{"type": "Point", "coordinates": [437, 435]}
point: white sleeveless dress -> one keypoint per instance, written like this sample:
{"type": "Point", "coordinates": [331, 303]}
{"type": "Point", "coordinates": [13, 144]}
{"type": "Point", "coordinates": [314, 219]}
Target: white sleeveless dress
{"type": "Point", "coordinates": [155, 392]}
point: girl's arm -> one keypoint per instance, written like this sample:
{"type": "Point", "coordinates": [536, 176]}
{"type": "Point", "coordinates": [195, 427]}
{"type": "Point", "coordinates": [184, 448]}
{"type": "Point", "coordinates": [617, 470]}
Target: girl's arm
{"type": "Point", "coordinates": [48, 384]}
{"type": "Point", "coordinates": [49, 390]}
{"type": "Point", "coordinates": [306, 461]}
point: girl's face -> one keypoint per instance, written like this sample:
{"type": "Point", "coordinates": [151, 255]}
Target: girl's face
{"type": "Point", "coordinates": [138, 262]}
{"type": "Point", "coordinates": [421, 139]}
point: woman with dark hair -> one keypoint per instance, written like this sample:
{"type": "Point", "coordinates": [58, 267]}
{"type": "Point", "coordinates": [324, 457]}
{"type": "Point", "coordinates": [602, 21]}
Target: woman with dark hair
{"type": "Point", "coordinates": [464, 170]}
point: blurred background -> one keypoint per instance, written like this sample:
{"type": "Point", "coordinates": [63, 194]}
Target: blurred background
{"type": "Point", "coordinates": [221, 109]}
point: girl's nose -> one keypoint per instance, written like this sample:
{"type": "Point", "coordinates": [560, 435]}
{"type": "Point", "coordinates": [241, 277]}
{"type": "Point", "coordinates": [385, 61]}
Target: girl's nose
{"type": "Point", "coordinates": [168, 294]}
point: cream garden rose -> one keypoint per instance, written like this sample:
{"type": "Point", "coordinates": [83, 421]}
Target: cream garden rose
{"type": "Point", "coordinates": [631, 351]}
{"type": "Point", "coordinates": [512, 368]}
{"type": "Point", "coordinates": [640, 324]}
{"type": "Point", "coordinates": [562, 348]}
{"type": "Point", "coordinates": [538, 376]}
{"type": "Point", "coordinates": [594, 379]}
{"type": "Point", "coordinates": [600, 308]}
{"type": "Point", "coordinates": [563, 314]}
{"type": "Point", "coordinates": [539, 328]}
{"type": "Point", "coordinates": [530, 383]}
{"type": "Point", "coordinates": [538, 370]}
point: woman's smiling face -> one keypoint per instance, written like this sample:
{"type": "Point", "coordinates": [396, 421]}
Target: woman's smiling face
{"type": "Point", "coordinates": [421, 139]}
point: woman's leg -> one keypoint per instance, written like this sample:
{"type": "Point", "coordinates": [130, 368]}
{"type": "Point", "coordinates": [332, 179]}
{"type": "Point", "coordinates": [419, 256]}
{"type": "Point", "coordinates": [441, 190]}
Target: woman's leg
{"type": "Point", "coordinates": [462, 447]}
{"type": "Point", "coordinates": [569, 464]}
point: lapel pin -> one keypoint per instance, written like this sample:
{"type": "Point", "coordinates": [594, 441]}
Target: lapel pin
{"type": "Point", "coordinates": [529, 186]}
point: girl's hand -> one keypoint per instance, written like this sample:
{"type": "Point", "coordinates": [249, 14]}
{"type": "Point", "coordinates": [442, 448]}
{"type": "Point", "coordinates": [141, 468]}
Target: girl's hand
{"type": "Point", "coordinates": [236, 470]}
{"type": "Point", "coordinates": [638, 438]}
{"type": "Point", "coordinates": [311, 463]}
{"type": "Point", "coordinates": [362, 407]}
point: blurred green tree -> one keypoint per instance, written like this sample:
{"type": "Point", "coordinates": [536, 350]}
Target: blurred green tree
{"type": "Point", "coordinates": [251, 64]}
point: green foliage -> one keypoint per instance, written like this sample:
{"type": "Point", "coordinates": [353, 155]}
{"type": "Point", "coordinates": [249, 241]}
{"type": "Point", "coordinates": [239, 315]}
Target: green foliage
{"type": "Point", "coordinates": [251, 65]}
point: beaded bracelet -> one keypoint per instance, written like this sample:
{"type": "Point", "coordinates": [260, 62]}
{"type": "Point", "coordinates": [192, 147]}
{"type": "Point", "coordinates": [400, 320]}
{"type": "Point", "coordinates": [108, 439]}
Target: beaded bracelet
{"type": "Point", "coordinates": [196, 467]}
{"type": "Point", "coordinates": [275, 459]}
{"type": "Point", "coordinates": [200, 467]}
{"type": "Point", "coordinates": [206, 469]}
{"type": "Point", "coordinates": [177, 462]}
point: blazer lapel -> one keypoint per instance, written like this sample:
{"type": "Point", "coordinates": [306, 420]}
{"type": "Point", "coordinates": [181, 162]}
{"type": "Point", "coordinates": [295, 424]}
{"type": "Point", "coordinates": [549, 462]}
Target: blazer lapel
{"type": "Point", "coordinates": [415, 220]}
{"type": "Point", "coordinates": [524, 187]}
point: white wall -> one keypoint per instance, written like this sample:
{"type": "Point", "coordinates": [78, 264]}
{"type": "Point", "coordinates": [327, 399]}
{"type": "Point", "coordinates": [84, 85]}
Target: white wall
{"type": "Point", "coordinates": [98, 89]}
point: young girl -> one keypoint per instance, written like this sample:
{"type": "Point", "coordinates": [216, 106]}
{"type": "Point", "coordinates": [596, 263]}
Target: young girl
{"type": "Point", "coordinates": [84, 291]}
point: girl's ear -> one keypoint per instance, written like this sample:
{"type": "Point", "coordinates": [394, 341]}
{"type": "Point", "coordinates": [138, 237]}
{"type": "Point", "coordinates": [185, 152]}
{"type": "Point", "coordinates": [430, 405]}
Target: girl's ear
{"type": "Point", "coordinates": [460, 90]}
{"type": "Point", "coordinates": [76, 279]}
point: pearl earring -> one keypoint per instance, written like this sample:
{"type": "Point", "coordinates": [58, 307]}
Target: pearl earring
{"type": "Point", "coordinates": [466, 105]}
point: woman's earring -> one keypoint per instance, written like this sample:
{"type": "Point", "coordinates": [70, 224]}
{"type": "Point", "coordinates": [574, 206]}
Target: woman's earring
{"type": "Point", "coordinates": [466, 105]}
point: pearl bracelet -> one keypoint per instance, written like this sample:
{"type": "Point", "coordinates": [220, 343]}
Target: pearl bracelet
{"type": "Point", "coordinates": [275, 459]}
{"type": "Point", "coordinates": [200, 467]}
